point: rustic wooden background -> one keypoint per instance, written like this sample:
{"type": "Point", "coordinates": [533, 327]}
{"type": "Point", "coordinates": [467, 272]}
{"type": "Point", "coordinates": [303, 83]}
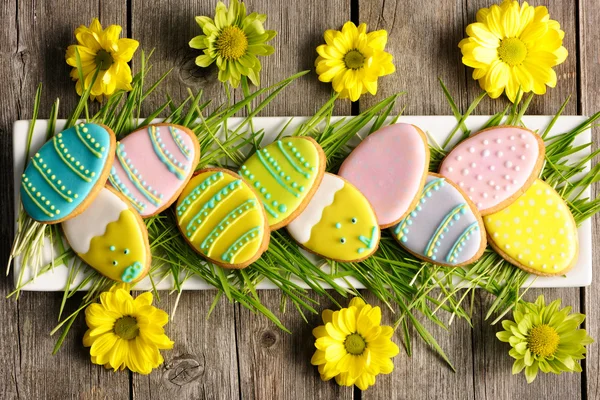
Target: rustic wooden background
{"type": "Point", "coordinates": [236, 354]}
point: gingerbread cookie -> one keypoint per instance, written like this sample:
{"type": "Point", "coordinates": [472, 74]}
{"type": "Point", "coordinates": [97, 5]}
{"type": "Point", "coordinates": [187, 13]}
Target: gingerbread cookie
{"type": "Point", "coordinates": [389, 167]}
{"type": "Point", "coordinates": [222, 219]}
{"type": "Point", "coordinates": [286, 174]}
{"type": "Point", "coordinates": [495, 165]}
{"type": "Point", "coordinates": [110, 236]}
{"type": "Point", "coordinates": [445, 228]}
{"type": "Point", "coordinates": [338, 223]}
{"type": "Point", "coordinates": [153, 164]}
{"type": "Point", "coordinates": [536, 233]}
{"type": "Point", "coordinates": [67, 173]}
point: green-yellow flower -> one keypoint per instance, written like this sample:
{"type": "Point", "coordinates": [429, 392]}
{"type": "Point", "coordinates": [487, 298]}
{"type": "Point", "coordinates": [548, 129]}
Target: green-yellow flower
{"type": "Point", "coordinates": [233, 40]}
{"type": "Point", "coordinates": [545, 338]}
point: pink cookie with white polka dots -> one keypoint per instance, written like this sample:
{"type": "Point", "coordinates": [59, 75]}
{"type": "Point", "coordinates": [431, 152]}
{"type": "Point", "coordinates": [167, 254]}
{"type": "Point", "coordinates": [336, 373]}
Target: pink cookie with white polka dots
{"type": "Point", "coordinates": [495, 166]}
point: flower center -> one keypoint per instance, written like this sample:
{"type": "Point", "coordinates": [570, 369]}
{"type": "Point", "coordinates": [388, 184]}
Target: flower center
{"type": "Point", "coordinates": [543, 340]}
{"type": "Point", "coordinates": [104, 60]}
{"type": "Point", "coordinates": [127, 328]}
{"type": "Point", "coordinates": [232, 43]}
{"type": "Point", "coordinates": [512, 51]}
{"type": "Point", "coordinates": [354, 59]}
{"type": "Point", "coordinates": [355, 344]}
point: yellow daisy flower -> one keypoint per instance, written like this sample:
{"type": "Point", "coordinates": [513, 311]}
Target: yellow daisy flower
{"type": "Point", "coordinates": [102, 48]}
{"type": "Point", "coordinates": [353, 60]}
{"type": "Point", "coordinates": [352, 346]}
{"type": "Point", "coordinates": [125, 332]}
{"type": "Point", "coordinates": [511, 46]}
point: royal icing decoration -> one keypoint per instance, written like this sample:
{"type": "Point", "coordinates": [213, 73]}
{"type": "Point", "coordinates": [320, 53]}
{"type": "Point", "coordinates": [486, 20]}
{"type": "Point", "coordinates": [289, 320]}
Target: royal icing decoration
{"type": "Point", "coordinates": [442, 228]}
{"type": "Point", "coordinates": [284, 174]}
{"type": "Point", "coordinates": [389, 168]}
{"type": "Point", "coordinates": [221, 217]}
{"type": "Point", "coordinates": [495, 164]}
{"type": "Point", "coordinates": [537, 232]}
{"type": "Point", "coordinates": [152, 165]}
{"type": "Point", "coordinates": [110, 237]}
{"type": "Point", "coordinates": [61, 175]}
{"type": "Point", "coordinates": [338, 222]}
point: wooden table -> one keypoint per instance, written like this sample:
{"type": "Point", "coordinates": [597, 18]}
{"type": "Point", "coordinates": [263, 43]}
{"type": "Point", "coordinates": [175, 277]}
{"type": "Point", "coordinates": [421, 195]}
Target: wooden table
{"type": "Point", "coordinates": [236, 354]}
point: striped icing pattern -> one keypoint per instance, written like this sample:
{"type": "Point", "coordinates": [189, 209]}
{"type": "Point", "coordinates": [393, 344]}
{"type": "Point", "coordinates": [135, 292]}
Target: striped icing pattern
{"type": "Point", "coordinates": [61, 175]}
{"type": "Point", "coordinates": [152, 164]}
{"type": "Point", "coordinates": [221, 217]}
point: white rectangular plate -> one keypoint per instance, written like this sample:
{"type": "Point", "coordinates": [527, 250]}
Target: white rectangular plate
{"type": "Point", "coordinates": [437, 127]}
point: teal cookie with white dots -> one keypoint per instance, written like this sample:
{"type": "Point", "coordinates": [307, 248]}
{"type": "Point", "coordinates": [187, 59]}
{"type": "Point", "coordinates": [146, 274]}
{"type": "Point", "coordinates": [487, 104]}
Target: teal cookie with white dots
{"type": "Point", "coordinates": [286, 175]}
{"type": "Point", "coordinates": [67, 173]}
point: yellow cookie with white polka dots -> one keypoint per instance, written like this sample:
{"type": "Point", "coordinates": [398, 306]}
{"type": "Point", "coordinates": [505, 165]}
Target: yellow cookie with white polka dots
{"type": "Point", "coordinates": [536, 233]}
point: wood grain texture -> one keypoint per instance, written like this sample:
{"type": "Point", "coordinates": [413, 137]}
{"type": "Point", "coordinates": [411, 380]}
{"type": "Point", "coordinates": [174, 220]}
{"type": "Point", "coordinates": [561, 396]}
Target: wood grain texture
{"type": "Point", "coordinates": [167, 28]}
{"type": "Point", "coordinates": [203, 364]}
{"type": "Point", "coordinates": [423, 41]}
{"type": "Point", "coordinates": [276, 365]}
{"type": "Point", "coordinates": [32, 50]}
{"type": "Point", "coordinates": [424, 47]}
{"type": "Point", "coordinates": [589, 56]}
{"type": "Point", "coordinates": [425, 375]}
{"type": "Point", "coordinates": [493, 365]}
{"type": "Point", "coordinates": [548, 104]}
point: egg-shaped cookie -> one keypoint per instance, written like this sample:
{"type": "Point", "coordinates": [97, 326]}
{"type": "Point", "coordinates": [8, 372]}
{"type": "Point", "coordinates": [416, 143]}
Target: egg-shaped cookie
{"type": "Point", "coordinates": [111, 237]}
{"type": "Point", "coordinates": [221, 217]}
{"type": "Point", "coordinates": [67, 173]}
{"type": "Point", "coordinates": [338, 223]}
{"type": "Point", "coordinates": [153, 164]}
{"type": "Point", "coordinates": [389, 167]}
{"type": "Point", "coordinates": [536, 233]}
{"type": "Point", "coordinates": [286, 174]}
{"type": "Point", "coordinates": [445, 228]}
{"type": "Point", "coordinates": [495, 165]}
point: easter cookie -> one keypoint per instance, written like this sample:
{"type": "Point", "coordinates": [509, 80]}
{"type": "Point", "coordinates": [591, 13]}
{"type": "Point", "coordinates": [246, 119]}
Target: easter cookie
{"type": "Point", "coordinates": [111, 237]}
{"type": "Point", "coordinates": [286, 174]}
{"type": "Point", "coordinates": [67, 173]}
{"type": "Point", "coordinates": [536, 233]}
{"type": "Point", "coordinates": [338, 223]}
{"type": "Point", "coordinates": [445, 228]}
{"type": "Point", "coordinates": [495, 165]}
{"type": "Point", "coordinates": [153, 164]}
{"type": "Point", "coordinates": [389, 167]}
{"type": "Point", "coordinates": [221, 217]}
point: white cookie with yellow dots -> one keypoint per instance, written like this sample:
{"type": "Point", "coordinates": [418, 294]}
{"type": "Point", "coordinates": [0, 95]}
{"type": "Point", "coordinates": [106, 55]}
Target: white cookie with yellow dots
{"type": "Point", "coordinates": [536, 233]}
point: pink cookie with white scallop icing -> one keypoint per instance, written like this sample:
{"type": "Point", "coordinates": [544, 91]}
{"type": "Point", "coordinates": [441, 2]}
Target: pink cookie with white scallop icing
{"type": "Point", "coordinates": [495, 166]}
{"type": "Point", "coordinates": [389, 167]}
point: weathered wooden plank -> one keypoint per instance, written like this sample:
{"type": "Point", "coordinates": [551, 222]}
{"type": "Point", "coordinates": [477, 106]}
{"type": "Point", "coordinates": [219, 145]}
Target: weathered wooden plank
{"type": "Point", "coordinates": [167, 28]}
{"type": "Point", "coordinates": [566, 86]}
{"type": "Point", "coordinates": [423, 41]}
{"type": "Point", "coordinates": [493, 377]}
{"type": "Point", "coordinates": [272, 363]}
{"type": "Point", "coordinates": [276, 365]}
{"type": "Point", "coordinates": [32, 51]}
{"type": "Point", "coordinates": [589, 56]}
{"type": "Point", "coordinates": [11, 64]}
{"type": "Point", "coordinates": [493, 365]}
{"type": "Point", "coordinates": [203, 362]}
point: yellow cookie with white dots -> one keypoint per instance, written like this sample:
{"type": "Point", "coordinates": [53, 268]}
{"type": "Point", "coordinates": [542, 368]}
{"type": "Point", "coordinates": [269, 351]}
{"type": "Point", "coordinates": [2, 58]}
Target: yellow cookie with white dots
{"type": "Point", "coordinates": [537, 233]}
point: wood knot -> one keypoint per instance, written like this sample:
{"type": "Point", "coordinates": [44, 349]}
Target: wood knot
{"type": "Point", "coordinates": [268, 339]}
{"type": "Point", "coordinates": [182, 371]}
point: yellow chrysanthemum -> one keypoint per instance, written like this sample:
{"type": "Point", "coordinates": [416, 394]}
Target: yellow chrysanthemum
{"type": "Point", "coordinates": [352, 346]}
{"type": "Point", "coordinates": [353, 60]}
{"type": "Point", "coordinates": [512, 46]}
{"type": "Point", "coordinates": [125, 332]}
{"type": "Point", "coordinates": [103, 49]}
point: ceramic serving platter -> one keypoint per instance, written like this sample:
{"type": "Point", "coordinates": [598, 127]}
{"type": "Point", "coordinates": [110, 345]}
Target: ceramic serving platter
{"type": "Point", "coordinates": [437, 128]}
